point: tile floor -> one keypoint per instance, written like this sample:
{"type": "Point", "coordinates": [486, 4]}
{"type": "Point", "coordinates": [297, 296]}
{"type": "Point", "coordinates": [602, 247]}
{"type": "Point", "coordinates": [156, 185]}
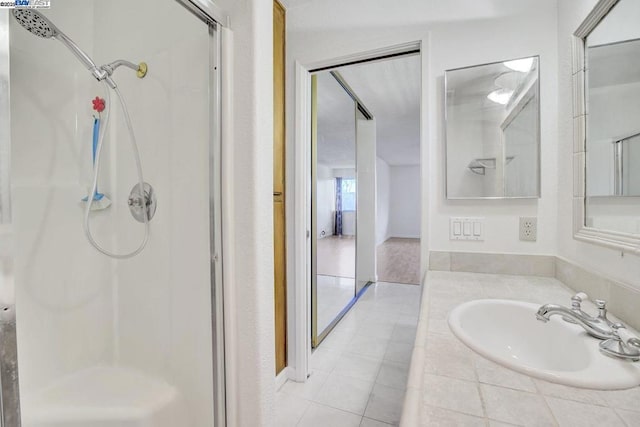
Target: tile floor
{"type": "Point", "coordinates": [334, 294]}
{"type": "Point", "coordinates": [359, 372]}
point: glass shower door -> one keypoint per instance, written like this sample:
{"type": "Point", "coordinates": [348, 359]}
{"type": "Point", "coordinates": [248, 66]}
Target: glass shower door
{"type": "Point", "coordinates": [104, 341]}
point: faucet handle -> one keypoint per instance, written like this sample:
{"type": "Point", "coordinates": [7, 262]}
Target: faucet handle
{"type": "Point", "coordinates": [625, 336]}
{"type": "Point", "coordinates": [577, 299]}
{"type": "Point", "coordinates": [602, 311]}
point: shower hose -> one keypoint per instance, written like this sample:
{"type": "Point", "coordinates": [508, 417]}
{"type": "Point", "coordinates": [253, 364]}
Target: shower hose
{"type": "Point", "coordinates": [136, 155]}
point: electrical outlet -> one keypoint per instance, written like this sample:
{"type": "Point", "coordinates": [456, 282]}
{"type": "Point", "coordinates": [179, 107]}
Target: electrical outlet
{"type": "Point", "coordinates": [528, 228]}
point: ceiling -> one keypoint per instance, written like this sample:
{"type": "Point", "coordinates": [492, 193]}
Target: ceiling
{"type": "Point", "coordinates": [390, 90]}
{"type": "Point", "coordinates": [336, 15]}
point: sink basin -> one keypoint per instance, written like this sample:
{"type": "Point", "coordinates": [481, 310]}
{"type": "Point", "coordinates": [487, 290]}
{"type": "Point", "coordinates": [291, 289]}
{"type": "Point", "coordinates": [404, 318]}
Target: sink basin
{"type": "Point", "coordinates": [508, 333]}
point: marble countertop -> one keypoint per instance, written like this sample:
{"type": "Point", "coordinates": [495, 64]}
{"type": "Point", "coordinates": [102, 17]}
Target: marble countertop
{"type": "Point", "coordinates": [449, 384]}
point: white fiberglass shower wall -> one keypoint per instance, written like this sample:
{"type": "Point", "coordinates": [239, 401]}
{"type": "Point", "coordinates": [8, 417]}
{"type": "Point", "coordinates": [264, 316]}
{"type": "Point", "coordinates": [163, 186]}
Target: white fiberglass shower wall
{"type": "Point", "coordinates": [101, 341]}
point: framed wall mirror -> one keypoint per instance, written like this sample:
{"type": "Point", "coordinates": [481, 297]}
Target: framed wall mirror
{"type": "Point", "coordinates": [607, 125]}
{"type": "Point", "coordinates": [492, 130]}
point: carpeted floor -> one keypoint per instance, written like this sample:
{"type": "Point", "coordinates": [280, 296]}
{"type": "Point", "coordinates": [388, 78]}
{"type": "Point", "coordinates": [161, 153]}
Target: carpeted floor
{"type": "Point", "coordinates": [399, 261]}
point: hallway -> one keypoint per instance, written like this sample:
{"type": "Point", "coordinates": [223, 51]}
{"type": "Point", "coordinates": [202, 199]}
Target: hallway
{"type": "Point", "coordinates": [359, 373]}
{"type": "Point", "coordinates": [399, 261]}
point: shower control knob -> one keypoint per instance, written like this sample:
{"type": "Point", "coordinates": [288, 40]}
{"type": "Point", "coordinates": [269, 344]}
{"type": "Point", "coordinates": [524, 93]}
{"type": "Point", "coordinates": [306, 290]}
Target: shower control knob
{"type": "Point", "coordinates": [142, 202]}
{"type": "Point", "coordinates": [135, 202]}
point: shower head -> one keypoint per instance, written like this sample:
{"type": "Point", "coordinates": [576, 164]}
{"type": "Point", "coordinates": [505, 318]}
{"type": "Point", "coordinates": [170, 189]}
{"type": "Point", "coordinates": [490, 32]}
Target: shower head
{"type": "Point", "coordinates": [38, 25]}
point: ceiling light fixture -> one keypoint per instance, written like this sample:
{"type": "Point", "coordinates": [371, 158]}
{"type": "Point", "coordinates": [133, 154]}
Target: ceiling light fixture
{"type": "Point", "coordinates": [522, 65]}
{"type": "Point", "coordinates": [500, 96]}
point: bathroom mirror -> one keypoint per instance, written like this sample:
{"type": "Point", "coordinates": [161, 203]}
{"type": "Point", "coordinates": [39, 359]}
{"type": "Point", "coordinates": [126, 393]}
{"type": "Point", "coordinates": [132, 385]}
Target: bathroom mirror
{"type": "Point", "coordinates": [492, 127]}
{"type": "Point", "coordinates": [607, 125]}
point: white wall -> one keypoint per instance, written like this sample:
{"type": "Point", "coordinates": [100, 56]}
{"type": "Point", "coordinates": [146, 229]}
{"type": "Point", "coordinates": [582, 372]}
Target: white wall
{"type": "Point", "coordinates": [382, 201]}
{"type": "Point", "coordinates": [404, 202]}
{"type": "Point", "coordinates": [65, 309]}
{"type": "Point", "coordinates": [605, 261]}
{"type": "Point", "coordinates": [468, 43]}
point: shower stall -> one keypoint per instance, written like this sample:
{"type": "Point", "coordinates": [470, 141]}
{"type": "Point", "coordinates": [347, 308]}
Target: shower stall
{"type": "Point", "coordinates": [89, 339]}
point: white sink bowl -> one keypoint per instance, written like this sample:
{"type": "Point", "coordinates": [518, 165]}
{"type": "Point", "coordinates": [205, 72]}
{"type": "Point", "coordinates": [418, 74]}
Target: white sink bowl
{"type": "Point", "coordinates": [508, 333]}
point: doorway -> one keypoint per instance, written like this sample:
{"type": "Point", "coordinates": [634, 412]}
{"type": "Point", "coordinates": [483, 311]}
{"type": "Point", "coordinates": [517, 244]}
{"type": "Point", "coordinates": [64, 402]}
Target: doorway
{"type": "Point", "coordinates": [365, 182]}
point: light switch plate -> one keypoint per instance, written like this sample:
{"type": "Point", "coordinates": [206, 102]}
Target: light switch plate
{"type": "Point", "coordinates": [464, 228]}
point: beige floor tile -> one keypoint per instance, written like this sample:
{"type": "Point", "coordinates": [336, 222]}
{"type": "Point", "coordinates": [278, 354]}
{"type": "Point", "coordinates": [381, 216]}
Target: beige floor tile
{"type": "Point", "coordinates": [289, 409]}
{"type": "Point", "coordinates": [385, 404]}
{"type": "Point", "coordinates": [345, 393]}
{"type": "Point", "coordinates": [309, 389]}
{"type": "Point", "coordinates": [393, 374]}
{"type": "Point", "coordinates": [323, 416]}
{"type": "Point", "coordinates": [359, 367]}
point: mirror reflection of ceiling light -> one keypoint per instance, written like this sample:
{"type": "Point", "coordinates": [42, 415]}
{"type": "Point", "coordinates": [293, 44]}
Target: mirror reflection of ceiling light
{"type": "Point", "coordinates": [521, 65]}
{"type": "Point", "coordinates": [500, 96]}
{"type": "Point", "coordinates": [508, 80]}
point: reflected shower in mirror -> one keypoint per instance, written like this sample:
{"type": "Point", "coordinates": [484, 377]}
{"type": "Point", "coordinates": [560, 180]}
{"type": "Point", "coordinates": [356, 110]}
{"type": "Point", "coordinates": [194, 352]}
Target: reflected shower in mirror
{"type": "Point", "coordinates": [493, 130]}
{"type": "Point", "coordinates": [334, 202]}
{"type": "Point", "coordinates": [612, 87]}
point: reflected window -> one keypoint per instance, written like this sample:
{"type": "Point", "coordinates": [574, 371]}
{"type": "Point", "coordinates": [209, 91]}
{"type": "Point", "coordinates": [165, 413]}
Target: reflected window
{"type": "Point", "coordinates": [346, 194]}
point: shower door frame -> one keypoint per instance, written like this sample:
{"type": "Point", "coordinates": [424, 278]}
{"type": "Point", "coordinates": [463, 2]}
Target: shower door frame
{"type": "Point", "coordinates": [9, 386]}
{"type": "Point", "coordinates": [214, 18]}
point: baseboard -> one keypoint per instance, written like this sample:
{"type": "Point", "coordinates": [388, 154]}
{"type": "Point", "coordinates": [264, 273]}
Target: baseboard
{"type": "Point", "coordinates": [283, 376]}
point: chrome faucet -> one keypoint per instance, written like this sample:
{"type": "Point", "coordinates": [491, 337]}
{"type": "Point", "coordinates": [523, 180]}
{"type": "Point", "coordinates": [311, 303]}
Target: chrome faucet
{"type": "Point", "coordinates": [600, 326]}
{"type": "Point", "coordinates": [616, 340]}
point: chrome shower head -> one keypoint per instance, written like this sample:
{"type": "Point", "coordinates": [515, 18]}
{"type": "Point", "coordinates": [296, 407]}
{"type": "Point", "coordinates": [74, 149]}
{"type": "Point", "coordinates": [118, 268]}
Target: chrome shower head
{"type": "Point", "coordinates": [36, 23]}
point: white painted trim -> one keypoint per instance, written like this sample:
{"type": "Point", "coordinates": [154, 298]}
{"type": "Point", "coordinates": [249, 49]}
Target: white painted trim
{"type": "Point", "coordinates": [228, 247]}
{"type": "Point", "coordinates": [425, 176]}
{"type": "Point", "coordinates": [213, 10]}
{"type": "Point", "coordinates": [282, 377]}
{"type": "Point", "coordinates": [302, 198]}
{"type": "Point", "coordinates": [363, 56]}
{"type": "Point", "coordinates": [625, 242]}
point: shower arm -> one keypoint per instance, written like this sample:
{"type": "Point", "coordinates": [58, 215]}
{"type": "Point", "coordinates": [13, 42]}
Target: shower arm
{"type": "Point", "coordinates": [140, 69]}
{"type": "Point", "coordinates": [103, 72]}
